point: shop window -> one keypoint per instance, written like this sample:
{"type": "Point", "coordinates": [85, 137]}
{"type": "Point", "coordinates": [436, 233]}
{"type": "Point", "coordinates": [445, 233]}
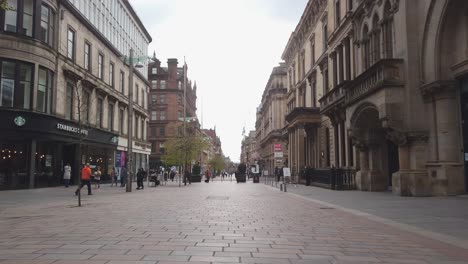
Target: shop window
{"type": "Point", "coordinates": [13, 166]}
{"type": "Point", "coordinates": [16, 84]}
{"type": "Point", "coordinates": [44, 160]}
{"type": "Point", "coordinates": [44, 91]}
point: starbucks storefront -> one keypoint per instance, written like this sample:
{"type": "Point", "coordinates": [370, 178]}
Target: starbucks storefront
{"type": "Point", "coordinates": [35, 147]}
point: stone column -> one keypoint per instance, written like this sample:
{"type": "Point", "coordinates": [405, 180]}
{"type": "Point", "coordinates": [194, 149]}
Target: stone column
{"type": "Point", "coordinates": [445, 175]}
{"type": "Point", "coordinates": [362, 175]}
{"type": "Point", "coordinates": [301, 150]}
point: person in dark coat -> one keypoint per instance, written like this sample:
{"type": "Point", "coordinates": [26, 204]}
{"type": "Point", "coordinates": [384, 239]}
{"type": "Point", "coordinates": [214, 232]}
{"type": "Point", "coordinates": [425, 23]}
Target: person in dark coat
{"type": "Point", "coordinates": [123, 176]}
{"type": "Point", "coordinates": [140, 176]}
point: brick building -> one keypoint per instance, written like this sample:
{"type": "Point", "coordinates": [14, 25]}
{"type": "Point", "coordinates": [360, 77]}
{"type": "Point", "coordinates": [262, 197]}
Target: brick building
{"type": "Point", "coordinates": [166, 105]}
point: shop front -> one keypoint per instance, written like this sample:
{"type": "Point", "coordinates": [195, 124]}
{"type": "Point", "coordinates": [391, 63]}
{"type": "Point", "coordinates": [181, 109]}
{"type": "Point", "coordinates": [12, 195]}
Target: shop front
{"type": "Point", "coordinates": [35, 147]}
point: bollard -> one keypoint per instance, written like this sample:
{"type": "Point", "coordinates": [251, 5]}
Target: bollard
{"type": "Point", "coordinates": [281, 187]}
{"type": "Point", "coordinates": [285, 188]}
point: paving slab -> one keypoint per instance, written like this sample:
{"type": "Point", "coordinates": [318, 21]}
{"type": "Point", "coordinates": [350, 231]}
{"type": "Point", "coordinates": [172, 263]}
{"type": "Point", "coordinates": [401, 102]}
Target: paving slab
{"type": "Point", "coordinates": [219, 222]}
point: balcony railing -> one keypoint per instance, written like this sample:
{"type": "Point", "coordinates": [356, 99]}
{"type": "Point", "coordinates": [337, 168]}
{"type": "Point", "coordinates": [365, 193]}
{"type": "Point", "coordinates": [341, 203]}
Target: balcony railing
{"type": "Point", "coordinates": [386, 72]}
{"type": "Point", "coordinates": [334, 96]}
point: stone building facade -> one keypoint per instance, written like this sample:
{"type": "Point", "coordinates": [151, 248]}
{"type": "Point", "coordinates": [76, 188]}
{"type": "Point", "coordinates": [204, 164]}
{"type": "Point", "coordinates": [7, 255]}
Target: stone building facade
{"type": "Point", "coordinates": [166, 105]}
{"type": "Point", "coordinates": [65, 84]}
{"type": "Point", "coordinates": [271, 145]}
{"type": "Point", "coordinates": [384, 85]}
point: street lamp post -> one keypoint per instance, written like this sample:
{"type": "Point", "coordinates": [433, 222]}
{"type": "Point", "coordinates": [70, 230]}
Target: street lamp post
{"type": "Point", "coordinates": [130, 125]}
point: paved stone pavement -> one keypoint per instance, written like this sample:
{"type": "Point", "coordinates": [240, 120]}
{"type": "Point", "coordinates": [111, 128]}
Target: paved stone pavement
{"type": "Point", "coordinates": [443, 217]}
{"type": "Point", "coordinates": [220, 222]}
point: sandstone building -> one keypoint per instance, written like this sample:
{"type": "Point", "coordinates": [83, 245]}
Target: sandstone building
{"type": "Point", "coordinates": [64, 79]}
{"type": "Point", "coordinates": [380, 86]}
{"type": "Point", "coordinates": [271, 144]}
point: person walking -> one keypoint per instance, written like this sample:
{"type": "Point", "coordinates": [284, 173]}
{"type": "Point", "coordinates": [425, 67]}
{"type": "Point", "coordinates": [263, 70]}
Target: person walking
{"type": "Point", "coordinates": [207, 176]}
{"type": "Point", "coordinates": [187, 177]}
{"type": "Point", "coordinates": [97, 178]}
{"type": "Point", "coordinates": [140, 176]}
{"type": "Point", "coordinates": [173, 173]}
{"type": "Point", "coordinates": [67, 175]}
{"type": "Point", "coordinates": [113, 176]}
{"type": "Point", "coordinates": [85, 179]}
{"type": "Point", "coordinates": [123, 176]}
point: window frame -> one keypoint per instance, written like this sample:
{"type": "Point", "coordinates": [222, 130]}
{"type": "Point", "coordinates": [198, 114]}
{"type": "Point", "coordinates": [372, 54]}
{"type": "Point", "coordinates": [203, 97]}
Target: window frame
{"type": "Point", "coordinates": [111, 74]}
{"type": "Point", "coordinates": [100, 74]}
{"type": "Point", "coordinates": [49, 90]}
{"type": "Point", "coordinates": [17, 84]}
{"type": "Point", "coordinates": [73, 43]}
{"type": "Point", "coordinates": [122, 81]}
{"type": "Point", "coordinates": [87, 56]}
{"type": "Point", "coordinates": [50, 25]}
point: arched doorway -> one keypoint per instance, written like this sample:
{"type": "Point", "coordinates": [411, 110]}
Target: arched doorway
{"type": "Point", "coordinates": [378, 156]}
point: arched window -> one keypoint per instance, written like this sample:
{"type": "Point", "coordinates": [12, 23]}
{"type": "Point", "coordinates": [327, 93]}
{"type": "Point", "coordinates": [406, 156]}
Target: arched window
{"type": "Point", "coordinates": [376, 39]}
{"type": "Point", "coordinates": [388, 30]}
{"type": "Point", "coordinates": [365, 48]}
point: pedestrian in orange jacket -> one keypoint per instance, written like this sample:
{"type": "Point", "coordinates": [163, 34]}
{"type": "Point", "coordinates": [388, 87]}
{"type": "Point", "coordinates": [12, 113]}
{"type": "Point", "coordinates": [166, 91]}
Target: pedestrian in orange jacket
{"type": "Point", "coordinates": [85, 179]}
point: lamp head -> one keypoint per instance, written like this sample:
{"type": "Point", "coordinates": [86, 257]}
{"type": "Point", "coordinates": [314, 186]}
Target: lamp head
{"type": "Point", "coordinates": [139, 65]}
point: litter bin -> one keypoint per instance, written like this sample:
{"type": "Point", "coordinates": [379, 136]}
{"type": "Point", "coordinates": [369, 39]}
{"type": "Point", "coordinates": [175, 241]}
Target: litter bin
{"type": "Point", "coordinates": [256, 178]}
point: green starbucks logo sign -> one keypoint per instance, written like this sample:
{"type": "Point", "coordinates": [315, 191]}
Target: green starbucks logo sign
{"type": "Point", "coordinates": [20, 121]}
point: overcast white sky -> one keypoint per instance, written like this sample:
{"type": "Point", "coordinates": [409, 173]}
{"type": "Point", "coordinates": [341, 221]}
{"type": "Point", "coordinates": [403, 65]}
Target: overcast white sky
{"type": "Point", "coordinates": [230, 47]}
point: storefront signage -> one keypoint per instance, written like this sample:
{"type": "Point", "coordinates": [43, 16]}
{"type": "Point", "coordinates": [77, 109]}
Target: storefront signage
{"type": "Point", "coordinates": [278, 148]}
{"type": "Point", "coordinates": [72, 129]}
{"type": "Point", "coordinates": [20, 121]}
{"type": "Point", "coordinates": [278, 154]}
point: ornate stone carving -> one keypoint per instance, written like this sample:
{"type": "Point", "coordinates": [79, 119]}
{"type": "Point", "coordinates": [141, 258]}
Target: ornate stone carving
{"type": "Point", "coordinates": [438, 87]}
{"type": "Point", "coordinates": [397, 137]}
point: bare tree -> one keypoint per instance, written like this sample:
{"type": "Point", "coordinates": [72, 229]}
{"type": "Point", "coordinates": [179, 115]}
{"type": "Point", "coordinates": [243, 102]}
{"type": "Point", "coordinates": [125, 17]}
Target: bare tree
{"type": "Point", "coordinates": [84, 100]}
